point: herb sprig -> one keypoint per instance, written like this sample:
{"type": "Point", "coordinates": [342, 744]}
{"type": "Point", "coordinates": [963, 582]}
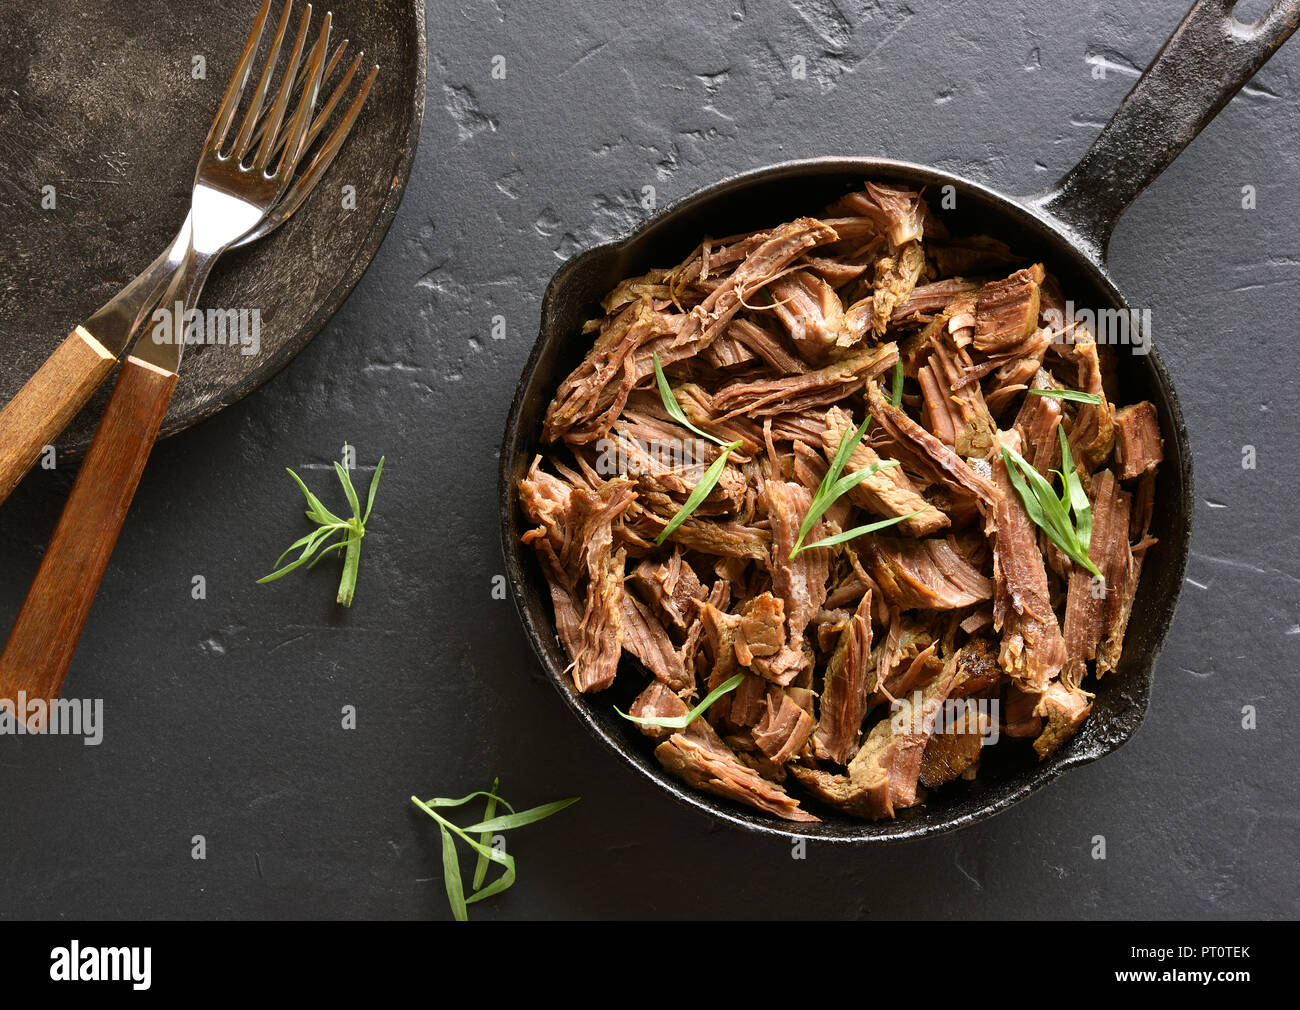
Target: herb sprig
{"type": "Point", "coordinates": [896, 393]}
{"type": "Point", "coordinates": [833, 487]}
{"type": "Point", "coordinates": [1052, 513]}
{"type": "Point", "coordinates": [711, 476]}
{"type": "Point", "coordinates": [857, 531]}
{"type": "Point", "coordinates": [682, 721]}
{"type": "Point", "coordinates": [329, 524]}
{"type": "Point", "coordinates": [1069, 394]}
{"type": "Point", "coordinates": [486, 828]}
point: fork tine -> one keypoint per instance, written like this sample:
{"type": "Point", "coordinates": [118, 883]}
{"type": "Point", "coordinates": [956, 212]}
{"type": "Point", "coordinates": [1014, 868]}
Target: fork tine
{"type": "Point", "coordinates": [328, 108]}
{"type": "Point", "coordinates": [297, 131]}
{"type": "Point", "coordinates": [322, 117]}
{"type": "Point", "coordinates": [276, 116]}
{"type": "Point", "coordinates": [306, 181]}
{"type": "Point", "coordinates": [334, 60]}
{"type": "Point", "coordinates": [318, 121]}
{"type": "Point", "coordinates": [235, 89]}
{"type": "Point", "coordinates": [244, 140]}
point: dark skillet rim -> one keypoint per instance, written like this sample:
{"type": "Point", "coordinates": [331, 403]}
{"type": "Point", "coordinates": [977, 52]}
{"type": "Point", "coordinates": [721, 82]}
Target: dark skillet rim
{"type": "Point", "coordinates": [734, 814]}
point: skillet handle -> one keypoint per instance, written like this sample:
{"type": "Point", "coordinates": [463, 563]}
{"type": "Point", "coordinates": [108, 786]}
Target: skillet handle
{"type": "Point", "coordinates": [1204, 63]}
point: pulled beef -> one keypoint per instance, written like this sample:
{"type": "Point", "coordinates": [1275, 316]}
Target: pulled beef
{"type": "Point", "coordinates": [645, 638]}
{"type": "Point", "coordinates": [601, 631]}
{"type": "Point", "coordinates": [1036, 425]}
{"type": "Point", "coordinates": [1139, 449]}
{"type": "Point", "coordinates": [785, 725]}
{"type": "Point", "coordinates": [955, 751]}
{"type": "Point", "coordinates": [761, 628]}
{"type": "Point", "coordinates": [926, 574]}
{"type": "Point", "coordinates": [944, 464]}
{"type": "Point", "coordinates": [1033, 650]}
{"type": "Point", "coordinates": [1113, 554]}
{"type": "Point", "coordinates": [818, 388]}
{"type": "Point", "coordinates": [954, 406]}
{"type": "Point", "coordinates": [1063, 708]}
{"type": "Point", "coordinates": [765, 345]}
{"type": "Point", "coordinates": [800, 583]}
{"type": "Point", "coordinates": [671, 588]}
{"type": "Point", "coordinates": [1007, 311]}
{"type": "Point", "coordinates": [1093, 434]}
{"type": "Point", "coordinates": [657, 701]}
{"type": "Point", "coordinates": [864, 671]}
{"type": "Point", "coordinates": [896, 278]}
{"type": "Point", "coordinates": [847, 688]}
{"type": "Point", "coordinates": [930, 299]}
{"type": "Point", "coordinates": [813, 316]}
{"type": "Point", "coordinates": [699, 757]}
{"type": "Point", "coordinates": [591, 397]}
{"type": "Point", "coordinates": [1089, 611]}
{"type": "Point", "coordinates": [896, 212]}
{"type": "Point", "coordinates": [883, 776]}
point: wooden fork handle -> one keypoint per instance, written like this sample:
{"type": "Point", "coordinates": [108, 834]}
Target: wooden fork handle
{"type": "Point", "coordinates": [41, 644]}
{"type": "Point", "coordinates": [48, 402]}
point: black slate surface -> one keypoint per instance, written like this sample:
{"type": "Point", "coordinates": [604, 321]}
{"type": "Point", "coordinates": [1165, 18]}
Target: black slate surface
{"type": "Point", "coordinates": [222, 715]}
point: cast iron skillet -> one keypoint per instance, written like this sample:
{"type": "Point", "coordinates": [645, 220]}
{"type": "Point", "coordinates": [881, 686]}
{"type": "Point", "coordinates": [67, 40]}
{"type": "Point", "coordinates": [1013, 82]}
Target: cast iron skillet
{"type": "Point", "coordinates": [1200, 68]}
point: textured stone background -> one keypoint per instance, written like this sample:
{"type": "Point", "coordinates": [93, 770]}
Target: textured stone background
{"type": "Point", "coordinates": [223, 715]}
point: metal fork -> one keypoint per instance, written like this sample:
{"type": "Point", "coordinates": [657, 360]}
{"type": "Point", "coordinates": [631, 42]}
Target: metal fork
{"type": "Point", "coordinates": [63, 385]}
{"type": "Point", "coordinates": [235, 193]}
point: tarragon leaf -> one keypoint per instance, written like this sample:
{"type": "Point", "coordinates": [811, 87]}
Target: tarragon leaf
{"type": "Point", "coordinates": [1069, 394]}
{"type": "Point", "coordinates": [674, 408]}
{"type": "Point", "coordinates": [701, 491]}
{"type": "Point", "coordinates": [451, 877]}
{"type": "Point", "coordinates": [857, 531]}
{"type": "Point", "coordinates": [820, 499]}
{"type": "Point", "coordinates": [682, 721]}
{"type": "Point", "coordinates": [508, 822]}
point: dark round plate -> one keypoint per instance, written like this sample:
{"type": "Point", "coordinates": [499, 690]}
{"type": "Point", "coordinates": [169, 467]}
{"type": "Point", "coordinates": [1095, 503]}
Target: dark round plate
{"type": "Point", "coordinates": [100, 101]}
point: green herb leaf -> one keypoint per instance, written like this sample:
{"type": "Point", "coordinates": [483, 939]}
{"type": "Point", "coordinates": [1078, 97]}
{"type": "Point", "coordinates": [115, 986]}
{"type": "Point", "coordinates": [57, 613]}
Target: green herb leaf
{"type": "Point", "coordinates": [1047, 511]}
{"type": "Point", "coordinates": [441, 802]}
{"type": "Point", "coordinates": [374, 486]}
{"type": "Point", "coordinates": [1074, 491]}
{"type": "Point", "coordinates": [675, 409]}
{"type": "Point", "coordinates": [840, 488]}
{"type": "Point", "coordinates": [819, 500]}
{"type": "Point", "coordinates": [1069, 394]}
{"type": "Point", "coordinates": [481, 866]}
{"type": "Point", "coordinates": [508, 822]}
{"type": "Point", "coordinates": [451, 864]}
{"type": "Point", "coordinates": [451, 877]}
{"type": "Point", "coordinates": [682, 721]}
{"type": "Point", "coordinates": [701, 491]}
{"type": "Point", "coordinates": [316, 512]}
{"type": "Point", "coordinates": [349, 491]}
{"type": "Point", "coordinates": [857, 531]}
{"type": "Point", "coordinates": [502, 883]}
{"type": "Point", "coordinates": [896, 394]}
{"type": "Point", "coordinates": [350, 530]}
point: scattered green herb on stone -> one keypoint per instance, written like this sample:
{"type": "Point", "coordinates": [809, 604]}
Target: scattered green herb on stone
{"type": "Point", "coordinates": [486, 828]}
{"type": "Point", "coordinates": [351, 531]}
